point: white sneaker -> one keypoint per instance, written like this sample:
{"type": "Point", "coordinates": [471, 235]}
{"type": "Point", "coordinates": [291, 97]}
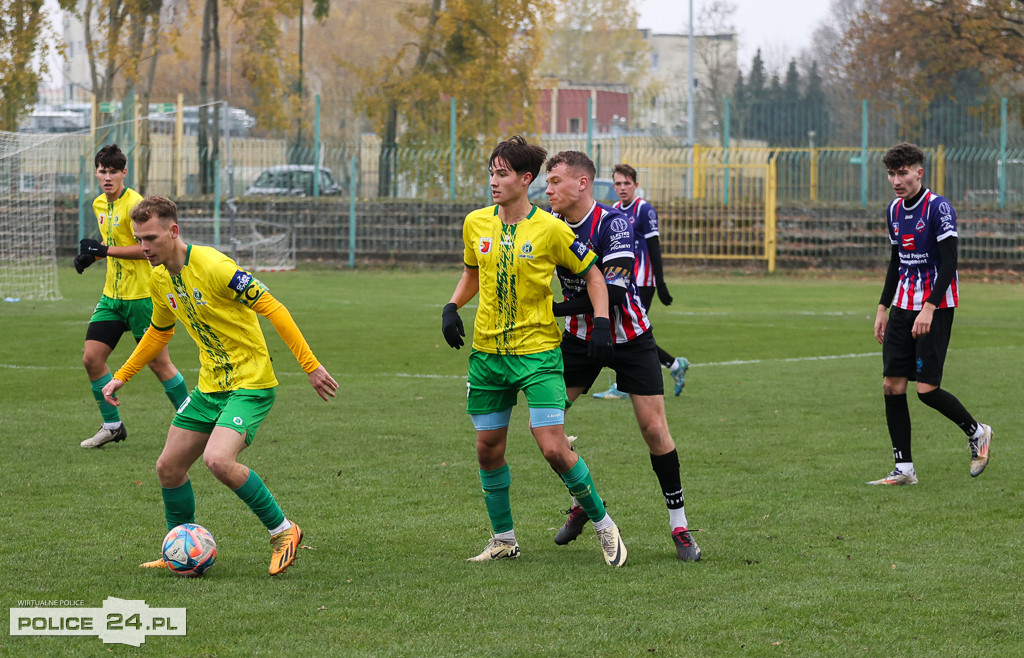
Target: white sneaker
{"type": "Point", "coordinates": [897, 478]}
{"type": "Point", "coordinates": [979, 451]}
{"type": "Point", "coordinates": [611, 545]}
{"type": "Point", "coordinates": [105, 436]}
{"type": "Point", "coordinates": [497, 549]}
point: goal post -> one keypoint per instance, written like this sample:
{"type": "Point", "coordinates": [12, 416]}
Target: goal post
{"type": "Point", "coordinates": [28, 247]}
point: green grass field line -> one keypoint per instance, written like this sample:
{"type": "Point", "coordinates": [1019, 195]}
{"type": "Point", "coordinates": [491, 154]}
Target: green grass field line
{"type": "Point", "coordinates": [779, 426]}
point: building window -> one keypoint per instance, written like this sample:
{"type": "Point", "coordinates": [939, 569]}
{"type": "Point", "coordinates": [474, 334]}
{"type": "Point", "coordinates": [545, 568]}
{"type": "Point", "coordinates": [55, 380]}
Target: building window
{"type": "Point", "coordinates": [574, 126]}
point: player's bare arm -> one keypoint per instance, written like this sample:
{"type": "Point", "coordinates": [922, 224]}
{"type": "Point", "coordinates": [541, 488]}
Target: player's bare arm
{"type": "Point", "coordinates": [881, 320]}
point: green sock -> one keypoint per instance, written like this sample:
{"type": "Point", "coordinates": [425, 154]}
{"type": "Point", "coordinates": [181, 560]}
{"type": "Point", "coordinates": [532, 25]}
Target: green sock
{"type": "Point", "coordinates": [176, 390]}
{"type": "Point", "coordinates": [107, 410]}
{"type": "Point", "coordinates": [179, 505]}
{"type": "Point", "coordinates": [499, 508]}
{"type": "Point", "coordinates": [581, 486]}
{"type": "Point", "coordinates": [259, 499]}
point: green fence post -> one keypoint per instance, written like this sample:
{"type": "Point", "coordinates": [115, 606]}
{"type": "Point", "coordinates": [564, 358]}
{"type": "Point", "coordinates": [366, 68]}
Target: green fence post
{"type": "Point", "coordinates": [82, 187]}
{"type": "Point", "coordinates": [864, 153]}
{"type": "Point", "coordinates": [451, 139]}
{"type": "Point", "coordinates": [590, 126]}
{"type": "Point", "coordinates": [725, 144]}
{"type": "Point", "coordinates": [1002, 153]}
{"type": "Point", "coordinates": [316, 146]}
{"type": "Point", "coordinates": [216, 203]}
{"type": "Point", "coordinates": [352, 186]}
{"type": "Point", "coordinates": [862, 159]}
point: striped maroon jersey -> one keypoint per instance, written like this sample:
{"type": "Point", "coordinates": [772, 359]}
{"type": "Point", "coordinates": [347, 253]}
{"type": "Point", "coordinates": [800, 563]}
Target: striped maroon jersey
{"type": "Point", "coordinates": [609, 234]}
{"type": "Point", "coordinates": [917, 232]}
{"type": "Point", "coordinates": [645, 225]}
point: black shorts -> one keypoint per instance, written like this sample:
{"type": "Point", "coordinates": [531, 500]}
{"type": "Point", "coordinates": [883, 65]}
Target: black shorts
{"type": "Point", "coordinates": [919, 359]}
{"type": "Point", "coordinates": [636, 365]}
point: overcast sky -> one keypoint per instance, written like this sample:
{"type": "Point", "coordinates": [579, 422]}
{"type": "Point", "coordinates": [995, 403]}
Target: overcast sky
{"type": "Point", "coordinates": [780, 28]}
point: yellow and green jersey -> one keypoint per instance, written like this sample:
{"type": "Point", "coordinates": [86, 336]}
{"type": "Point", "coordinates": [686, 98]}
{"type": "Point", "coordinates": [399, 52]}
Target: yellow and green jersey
{"type": "Point", "coordinates": [126, 278]}
{"type": "Point", "coordinates": [516, 263]}
{"type": "Point", "coordinates": [214, 299]}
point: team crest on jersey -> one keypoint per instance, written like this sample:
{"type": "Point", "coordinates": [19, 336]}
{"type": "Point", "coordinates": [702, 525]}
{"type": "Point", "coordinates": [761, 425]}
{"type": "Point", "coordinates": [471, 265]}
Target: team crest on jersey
{"type": "Point", "coordinates": [172, 301]}
{"type": "Point", "coordinates": [920, 226]}
{"type": "Point", "coordinates": [102, 218]}
{"type": "Point", "coordinates": [908, 242]}
{"type": "Point", "coordinates": [485, 245]}
{"type": "Point", "coordinates": [620, 224]}
{"type": "Point", "coordinates": [117, 220]}
{"type": "Point", "coordinates": [198, 296]}
{"type": "Point", "coordinates": [526, 250]}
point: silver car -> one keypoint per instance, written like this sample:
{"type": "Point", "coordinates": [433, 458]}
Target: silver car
{"type": "Point", "coordinates": [293, 180]}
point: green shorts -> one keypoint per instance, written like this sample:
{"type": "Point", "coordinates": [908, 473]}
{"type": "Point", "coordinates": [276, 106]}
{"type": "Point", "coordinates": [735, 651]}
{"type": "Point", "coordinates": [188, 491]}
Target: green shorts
{"type": "Point", "coordinates": [496, 379]}
{"type": "Point", "coordinates": [242, 411]}
{"type": "Point", "coordinates": [135, 314]}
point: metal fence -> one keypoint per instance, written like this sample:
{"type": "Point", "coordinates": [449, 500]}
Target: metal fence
{"type": "Point", "coordinates": [390, 200]}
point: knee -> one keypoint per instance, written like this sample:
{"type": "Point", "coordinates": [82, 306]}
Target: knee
{"type": "Point", "coordinates": [92, 362]}
{"type": "Point", "coordinates": [218, 464]}
{"type": "Point", "coordinates": [169, 472]}
{"type": "Point", "coordinates": [558, 457]}
{"type": "Point", "coordinates": [894, 386]}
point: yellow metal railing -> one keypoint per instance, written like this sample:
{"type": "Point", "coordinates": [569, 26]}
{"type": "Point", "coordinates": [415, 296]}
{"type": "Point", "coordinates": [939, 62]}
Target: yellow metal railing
{"type": "Point", "coordinates": [730, 215]}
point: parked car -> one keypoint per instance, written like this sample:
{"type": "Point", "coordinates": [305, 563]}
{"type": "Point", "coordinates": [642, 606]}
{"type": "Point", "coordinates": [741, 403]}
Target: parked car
{"type": "Point", "coordinates": [604, 191]}
{"type": "Point", "coordinates": [293, 180]}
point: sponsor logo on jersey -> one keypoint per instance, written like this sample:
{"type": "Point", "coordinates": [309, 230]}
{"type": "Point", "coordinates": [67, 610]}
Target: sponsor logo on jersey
{"type": "Point", "coordinates": [198, 296]}
{"type": "Point", "coordinates": [908, 241]}
{"type": "Point", "coordinates": [526, 250]}
{"type": "Point", "coordinates": [485, 245]}
{"type": "Point", "coordinates": [117, 220]}
{"type": "Point", "coordinates": [240, 281]}
{"type": "Point", "coordinates": [172, 301]}
{"type": "Point", "coordinates": [579, 249]}
{"type": "Point", "coordinates": [945, 208]}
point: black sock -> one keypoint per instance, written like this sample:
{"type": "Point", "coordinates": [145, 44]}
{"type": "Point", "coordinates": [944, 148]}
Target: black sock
{"type": "Point", "coordinates": [897, 417]}
{"type": "Point", "coordinates": [665, 358]}
{"type": "Point", "coordinates": [666, 467]}
{"type": "Point", "coordinates": [946, 404]}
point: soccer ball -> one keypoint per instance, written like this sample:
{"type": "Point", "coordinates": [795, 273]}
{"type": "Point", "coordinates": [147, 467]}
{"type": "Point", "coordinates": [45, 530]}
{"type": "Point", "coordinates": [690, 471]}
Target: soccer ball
{"type": "Point", "coordinates": [189, 550]}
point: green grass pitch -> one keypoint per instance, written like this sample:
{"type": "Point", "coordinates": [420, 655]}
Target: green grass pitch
{"type": "Point", "coordinates": [779, 427]}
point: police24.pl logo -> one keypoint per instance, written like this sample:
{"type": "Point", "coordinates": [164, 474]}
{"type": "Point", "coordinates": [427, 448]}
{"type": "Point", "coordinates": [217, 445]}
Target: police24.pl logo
{"type": "Point", "coordinates": [119, 621]}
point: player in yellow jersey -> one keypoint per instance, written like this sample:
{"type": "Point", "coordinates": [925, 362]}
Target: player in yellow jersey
{"type": "Point", "coordinates": [510, 253]}
{"type": "Point", "coordinates": [218, 304]}
{"type": "Point", "coordinates": [125, 304]}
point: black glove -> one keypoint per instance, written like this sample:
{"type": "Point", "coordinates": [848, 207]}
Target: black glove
{"type": "Point", "coordinates": [663, 295]}
{"type": "Point", "coordinates": [451, 326]}
{"type": "Point", "coordinates": [90, 247]}
{"type": "Point", "coordinates": [83, 261]}
{"type": "Point", "coordinates": [601, 349]}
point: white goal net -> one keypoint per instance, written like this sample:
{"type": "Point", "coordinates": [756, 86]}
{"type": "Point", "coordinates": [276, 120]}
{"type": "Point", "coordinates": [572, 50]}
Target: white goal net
{"type": "Point", "coordinates": [28, 251]}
